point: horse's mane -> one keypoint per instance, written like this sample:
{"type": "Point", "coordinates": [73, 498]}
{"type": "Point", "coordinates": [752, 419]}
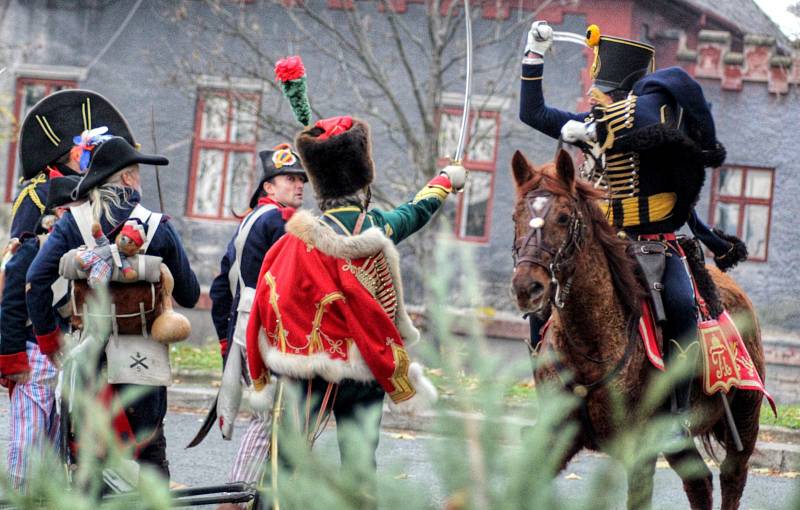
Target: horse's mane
{"type": "Point", "coordinates": [622, 267]}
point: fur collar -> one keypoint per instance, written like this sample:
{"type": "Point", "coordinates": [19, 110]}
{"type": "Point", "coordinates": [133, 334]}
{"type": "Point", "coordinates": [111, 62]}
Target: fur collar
{"type": "Point", "coordinates": [312, 231]}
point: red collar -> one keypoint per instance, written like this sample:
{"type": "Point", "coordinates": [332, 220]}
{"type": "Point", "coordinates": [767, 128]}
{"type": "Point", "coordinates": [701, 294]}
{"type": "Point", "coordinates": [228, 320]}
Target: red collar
{"type": "Point", "coordinates": [286, 211]}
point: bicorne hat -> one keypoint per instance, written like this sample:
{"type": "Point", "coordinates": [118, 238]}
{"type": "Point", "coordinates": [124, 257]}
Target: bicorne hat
{"type": "Point", "coordinates": [618, 63]}
{"type": "Point", "coordinates": [49, 127]}
{"type": "Point", "coordinates": [280, 160]}
{"type": "Point", "coordinates": [337, 156]}
{"type": "Point", "coordinates": [109, 158]}
{"type": "Point", "coordinates": [60, 189]}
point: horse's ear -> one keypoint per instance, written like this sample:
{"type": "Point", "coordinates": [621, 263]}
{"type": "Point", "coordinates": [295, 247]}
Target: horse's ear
{"type": "Point", "coordinates": [523, 171]}
{"type": "Point", "coordinates": [565, 169]}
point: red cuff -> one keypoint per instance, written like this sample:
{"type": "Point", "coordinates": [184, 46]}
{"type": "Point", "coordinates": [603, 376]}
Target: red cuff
{"type": "Point", "coordinates": [223, 346]}
{"type": "Point", "coordinates": [441, 180]}
{"type": "Point", "coordinates": [14, 363]}
{"type": "Point", "coordinates": [50, 342]}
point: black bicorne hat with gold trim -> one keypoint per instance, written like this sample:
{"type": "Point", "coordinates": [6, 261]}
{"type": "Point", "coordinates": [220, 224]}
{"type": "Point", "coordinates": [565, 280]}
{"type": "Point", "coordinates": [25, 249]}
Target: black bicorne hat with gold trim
{"type": "Point", "coordinates": [49, 127]}
{"type": "Point", "coordinates": [618, 63]}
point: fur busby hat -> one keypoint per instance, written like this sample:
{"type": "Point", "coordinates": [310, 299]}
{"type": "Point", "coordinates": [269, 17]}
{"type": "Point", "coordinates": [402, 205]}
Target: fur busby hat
{"type": "Point", "coordinates": [49, 127]}
{"type": "Point", "coordinates": [280, 160]}
{"type": "Point", "coordinates": [618, 63]}
{"type": "Point", "coordinates": [110, 157]}
{"type": "Point", "coordinates": [337, 156]}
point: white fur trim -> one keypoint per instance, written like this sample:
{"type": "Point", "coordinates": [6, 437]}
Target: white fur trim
{"type": "Point", "coordinates": [313, 232]}
{"type": "Point", "coordinates": [303, 366]}
{"type": "Point", "coordinates": [261, 401]}
{"type": "Point", "coordinates": [426, 394]}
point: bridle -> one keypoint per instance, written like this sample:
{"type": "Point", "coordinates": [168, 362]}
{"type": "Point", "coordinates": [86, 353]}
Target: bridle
{"type": "Point", "coordinates": [534, 249]}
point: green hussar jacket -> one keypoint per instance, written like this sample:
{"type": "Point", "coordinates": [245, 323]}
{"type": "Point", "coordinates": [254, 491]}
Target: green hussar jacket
{"type": "Point", "coordinates": [398, 223]}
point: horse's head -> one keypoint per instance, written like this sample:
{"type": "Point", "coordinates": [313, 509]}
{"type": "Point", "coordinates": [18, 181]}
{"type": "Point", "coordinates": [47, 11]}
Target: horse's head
{"type": "Point", "coordinates": [549, 228]}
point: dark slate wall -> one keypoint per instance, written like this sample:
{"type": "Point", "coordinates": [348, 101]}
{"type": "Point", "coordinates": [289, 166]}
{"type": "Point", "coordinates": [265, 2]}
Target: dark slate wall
{"type": "Point", "coordinates": [758, 129]}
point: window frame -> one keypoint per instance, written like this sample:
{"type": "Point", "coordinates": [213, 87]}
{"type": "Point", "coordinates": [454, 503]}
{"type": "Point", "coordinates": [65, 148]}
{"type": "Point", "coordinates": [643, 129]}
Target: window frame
{"type": "Point", "coordinates": [742, 201]}
{"type": "Point", "coordinates": [227, 147]}
{"type": "Point", "coordinates": [489, 167]}
{"type": "Point", "coordinates": [19, 87]}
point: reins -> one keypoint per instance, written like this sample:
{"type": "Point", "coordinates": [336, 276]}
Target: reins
{"type": "Point", "coordinates": [534, 249]}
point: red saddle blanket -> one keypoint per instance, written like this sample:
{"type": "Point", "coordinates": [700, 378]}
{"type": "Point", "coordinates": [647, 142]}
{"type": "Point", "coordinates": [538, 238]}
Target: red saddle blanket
{"type": "Point", "coordinates": [726, 362]}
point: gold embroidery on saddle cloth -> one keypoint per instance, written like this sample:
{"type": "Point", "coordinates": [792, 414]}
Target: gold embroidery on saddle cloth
{"type": "Point", "coordinates": [279, 336]}
{"type": "Point", "coordinates": [720, 371]}
{"type": "Point", "coordinates": [402, 386]}
{"type": "Point", "coordinates": [375, 276]}
{"type": "Point", "coordinates": [316, 335]}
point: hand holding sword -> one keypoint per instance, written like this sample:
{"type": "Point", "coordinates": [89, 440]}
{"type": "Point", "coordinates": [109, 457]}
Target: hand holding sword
{"type": "Point", "coordinates": [541, 37]}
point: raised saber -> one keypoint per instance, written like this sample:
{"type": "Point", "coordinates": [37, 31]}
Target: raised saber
{"type": "Point", "coordinates": [462, 136]}
{"type": "Point", "coordinates": [569, 37]}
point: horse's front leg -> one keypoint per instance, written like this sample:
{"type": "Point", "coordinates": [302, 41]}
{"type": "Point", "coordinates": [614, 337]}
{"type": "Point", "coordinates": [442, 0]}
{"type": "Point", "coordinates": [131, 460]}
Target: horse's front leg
{"type": "Point", "coordinates": [640, 483]}
{"type": "Point", "coordinates": [698, 482]}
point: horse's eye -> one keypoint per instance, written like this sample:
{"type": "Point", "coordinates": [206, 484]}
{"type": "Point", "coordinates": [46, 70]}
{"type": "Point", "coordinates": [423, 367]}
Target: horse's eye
{"type": "Point", "coordinates": [563, 219]}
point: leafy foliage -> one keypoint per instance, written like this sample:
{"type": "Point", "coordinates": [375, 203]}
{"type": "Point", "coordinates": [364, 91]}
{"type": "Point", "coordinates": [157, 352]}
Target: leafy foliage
{"type": "Point", "coordinates": [482, 457]}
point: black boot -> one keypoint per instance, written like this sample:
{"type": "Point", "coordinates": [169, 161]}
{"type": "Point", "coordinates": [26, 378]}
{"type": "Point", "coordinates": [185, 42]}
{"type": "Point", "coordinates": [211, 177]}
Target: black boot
{"type": "Point", "coordinates": [680, 405]}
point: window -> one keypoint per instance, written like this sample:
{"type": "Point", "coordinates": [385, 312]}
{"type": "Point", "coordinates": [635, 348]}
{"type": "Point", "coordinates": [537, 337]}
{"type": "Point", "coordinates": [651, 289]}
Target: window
{"type": "Point", "coordinates": [474, 208]}
{"type": "Point", "coordinates": [223, 157]}
{"type": "Point", "coordinates": [741, 204]}
{"type": "Point", "coordinates": [29, 91]}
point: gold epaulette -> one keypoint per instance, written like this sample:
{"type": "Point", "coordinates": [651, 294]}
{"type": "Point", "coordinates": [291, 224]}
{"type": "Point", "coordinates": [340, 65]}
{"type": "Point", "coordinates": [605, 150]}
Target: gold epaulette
{"type": "Point", "coordinates": [30, 191]}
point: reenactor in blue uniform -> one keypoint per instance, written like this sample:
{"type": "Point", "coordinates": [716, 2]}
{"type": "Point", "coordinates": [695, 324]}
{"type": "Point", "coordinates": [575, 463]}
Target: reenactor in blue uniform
{"type": "Point", "coordinates": [112, 187]}
{"type": "Point", "coordinates": [278, 194]}
{"type": "Point", "coordinates": [657, 135]}
{"type": "Point", "coordinates": [29, 374]}
{"type": "Point", "coordinates": [45, 140]}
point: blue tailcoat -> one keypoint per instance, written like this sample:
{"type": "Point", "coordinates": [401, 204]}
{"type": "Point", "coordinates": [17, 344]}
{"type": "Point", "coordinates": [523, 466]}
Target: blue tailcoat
{"type": "Point", "coordinates": [266, 230]}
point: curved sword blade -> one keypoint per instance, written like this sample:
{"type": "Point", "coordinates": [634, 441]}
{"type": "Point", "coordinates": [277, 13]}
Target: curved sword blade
{"type": "Point", "coordinates": [462, 136]}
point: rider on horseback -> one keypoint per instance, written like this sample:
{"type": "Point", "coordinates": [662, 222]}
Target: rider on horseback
{"type": "Point", "coordinates": [652, 134]}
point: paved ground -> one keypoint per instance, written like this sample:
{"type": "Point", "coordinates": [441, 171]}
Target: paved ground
{"type": "Point", "coordinates": [409, 456]}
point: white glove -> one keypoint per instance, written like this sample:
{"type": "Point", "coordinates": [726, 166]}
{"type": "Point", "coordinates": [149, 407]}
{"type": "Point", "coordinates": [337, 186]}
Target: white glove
{"type": "Point", "coordinates": [540, 38]}
{"type": "Point", "coordinates": [457, 175]}
{"type": "Point", "coordinates": [574, 131]}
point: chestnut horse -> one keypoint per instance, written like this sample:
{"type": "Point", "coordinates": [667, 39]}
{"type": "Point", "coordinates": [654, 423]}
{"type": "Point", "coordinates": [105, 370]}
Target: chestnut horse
{"type": "Point", "coordinates": [572, 258]}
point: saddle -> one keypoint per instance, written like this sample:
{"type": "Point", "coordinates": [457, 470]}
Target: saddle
{"type": "Point", "coordinates": [726, 362]}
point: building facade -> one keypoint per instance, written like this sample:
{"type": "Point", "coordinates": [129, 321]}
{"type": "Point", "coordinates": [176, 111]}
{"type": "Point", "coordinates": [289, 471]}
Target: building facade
{"type": "Point", "coordinates": [210, 122]}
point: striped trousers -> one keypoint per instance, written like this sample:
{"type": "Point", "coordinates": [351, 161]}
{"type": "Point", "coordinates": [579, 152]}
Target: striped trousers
{"type": "Point", "coordinates": [34, 423]}
{"type": "Point", "coordinates": [251, 459]}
